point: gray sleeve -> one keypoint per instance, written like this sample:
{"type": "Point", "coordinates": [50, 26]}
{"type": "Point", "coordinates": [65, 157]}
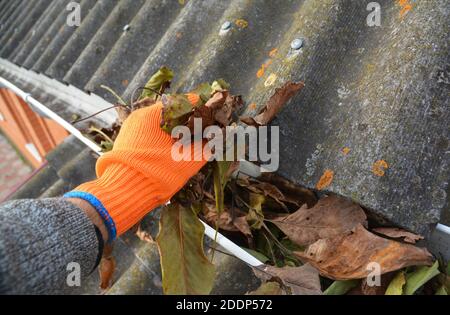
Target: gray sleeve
{"type": "Point", "coordinates": [38, 239]}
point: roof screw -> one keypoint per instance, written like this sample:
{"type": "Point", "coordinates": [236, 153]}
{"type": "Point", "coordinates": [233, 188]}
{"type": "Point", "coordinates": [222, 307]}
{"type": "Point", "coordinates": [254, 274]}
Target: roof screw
{"type": "Point", "coordinates": [297, 43]}
{"type": "Point", "coordinates": [126, 28]}
{"type": "Point", "coordinates": [226, 26]}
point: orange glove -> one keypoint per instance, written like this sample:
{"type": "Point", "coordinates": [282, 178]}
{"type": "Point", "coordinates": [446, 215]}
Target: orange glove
{"type": "Point", "coordinates": [139, 174]}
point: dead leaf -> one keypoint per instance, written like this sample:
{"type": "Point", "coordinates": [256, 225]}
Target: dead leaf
{"type": "Point", "coordinates": [268, 288]}
{"type": "Point", "coordinates": [226, 221]}
{"type": "Point", "coordinates": [330, 217]}
{"type": "Point", "coordinates": [292, 193]}
{"type": "Point", "coordinates": [408, 237]}
{"type": "Point", "coordinates": [303, 280]}
{"type": "Point", "coordinates": [273, 106]}
{"type": "Point", "coordinates": [347, 256]}
{"type": "Point", "coordinates": [106, 267]}
{"type": "Point", "coordinates": [367, 289]}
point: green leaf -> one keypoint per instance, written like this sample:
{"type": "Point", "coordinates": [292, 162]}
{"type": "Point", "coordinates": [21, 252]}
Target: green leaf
{"type": "Point", "coordinates": [261, 257]}
{"type": "Point", "coordinates": [220, 85]}
{"type": "Point", "coordinates": [441, 291]}
{"type": "Point", "coordinates": [340, 287]}
{"type": "Point", "coordinates": [396, 285]}
{"type": "Point", "coordinates": [176, 112]}
{"type": "Point", "coordinates": [106, 146]}
{"type": "Point", "coordinates": [185, 268]}
{"type": "Point", "coordinates": [162, 76]}
{"type": "Point", "coordinates": [203, 90]}
{"type": "Point", "coordinates": [417, 278]}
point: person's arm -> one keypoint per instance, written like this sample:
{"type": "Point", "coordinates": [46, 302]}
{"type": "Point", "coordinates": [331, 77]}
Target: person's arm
{"type": "Point", "coordinates": [39, 238]}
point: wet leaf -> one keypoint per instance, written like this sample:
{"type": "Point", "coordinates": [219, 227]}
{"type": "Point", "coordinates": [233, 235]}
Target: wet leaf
{"type": "Point", "coordinates": [340, 287]}
{"type": "Point", "coordinates": [417, 278]}
{"type": "Point", "coordinates": [176, 112]}
{"type": "Point", "coordinates": [408, 237]}
{"type": "Point", "coordinates": [396, 285]}
{"type": "Point", "coordinates": [276, 102]}
{"type": "Point", "coordinates": [185, 268]}
{"type": "Point", "coordinates": [347, 256]}
{"type": "Point", "coordinates": [268, 288]}
{"type": "Point", "coordinates": [330, 217]}
{"type": "Point", "coordinates": [158, 80]}
{"type": "Point", "coordinates": [303, 280]}
{"type": "Point", "coordinates": [106, 267]}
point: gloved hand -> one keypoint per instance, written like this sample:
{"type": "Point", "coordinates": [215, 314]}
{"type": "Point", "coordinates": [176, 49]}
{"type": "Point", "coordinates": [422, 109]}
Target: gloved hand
{"type": "Point", "coordinates": [139, 174]}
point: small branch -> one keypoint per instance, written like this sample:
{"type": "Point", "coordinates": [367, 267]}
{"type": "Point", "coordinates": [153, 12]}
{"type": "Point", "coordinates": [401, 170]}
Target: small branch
{"type": "Point", "coordinates": [99, 112]}
{"type": "Point", "coordinates": [107, 88]}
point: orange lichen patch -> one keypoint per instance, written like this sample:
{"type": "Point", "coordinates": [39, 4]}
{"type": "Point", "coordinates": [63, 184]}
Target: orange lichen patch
{"type": "Point", "coordinates": [263, 68]}
{"type": "Point", "coordinates": [405, 10]}
{"type": "Point", "coordinates": [252, 106]}
{"type": "Point", "coordinates": [345, 150]}
{"type": "Point", "coordinates": [379, 167]}
{"type": "Point", "coordinates": [260, 72]}
{"type": "Point", "coordinates": [325, 180]}
{"type": "Point", "coordinates": [273, 52]}
{"type": "Point", "coordinates": [406, 7]}
{"type": "Point", "coordinates": [241, 23]}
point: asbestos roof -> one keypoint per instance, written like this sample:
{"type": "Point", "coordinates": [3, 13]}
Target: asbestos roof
{"type": "Point", "coordinates": [382, 92]}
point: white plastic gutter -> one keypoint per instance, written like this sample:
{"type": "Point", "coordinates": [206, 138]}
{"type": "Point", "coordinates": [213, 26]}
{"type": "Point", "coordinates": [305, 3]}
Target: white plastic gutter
{"type": "Point", "coordinates": [227, 244]}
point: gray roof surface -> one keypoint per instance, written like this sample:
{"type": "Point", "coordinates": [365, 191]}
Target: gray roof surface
{"type": "Point", "coordinates": [383, 92]}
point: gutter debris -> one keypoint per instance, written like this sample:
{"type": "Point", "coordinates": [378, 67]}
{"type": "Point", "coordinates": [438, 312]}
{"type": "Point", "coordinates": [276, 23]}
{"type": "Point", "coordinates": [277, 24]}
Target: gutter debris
{"type": "Point", "coordinates": [307, 245]}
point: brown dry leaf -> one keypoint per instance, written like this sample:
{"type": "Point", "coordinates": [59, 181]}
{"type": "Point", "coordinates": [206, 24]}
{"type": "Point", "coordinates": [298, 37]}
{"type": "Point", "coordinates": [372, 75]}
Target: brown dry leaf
{"type": "Point", "coordinates": [217, 100]}
{"type": "Point", "coordinates": [106, 267]}
{"type": "Point", "coordinates": [347, 256]}
{"type": "Point", "coordinates": [268, 288]}
{"type": "Point", "coordinates": [385, 279]}
{"type": "Point", "coordinates": [303, 280]}
{"type": "Point", "coordinates": [408, 237]}
{"type": "Point", "coordinates": [330, 217]}
{"type": "Point", "coordinates": [226, 222]}
{"type": "Point", "coordinates": [223, 115]}
{"type": "Point", "coordinates": [276, 102]}
{"type": "Point", "coordinates": [292, 193]}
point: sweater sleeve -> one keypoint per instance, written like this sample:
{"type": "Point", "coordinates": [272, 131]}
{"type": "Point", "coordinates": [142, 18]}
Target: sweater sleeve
{"type": "Point", "coordinates": [38, 240]}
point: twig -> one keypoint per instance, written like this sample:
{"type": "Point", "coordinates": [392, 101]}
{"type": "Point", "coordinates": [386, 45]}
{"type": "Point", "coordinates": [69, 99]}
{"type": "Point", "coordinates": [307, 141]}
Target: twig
{"type": "Point", "coordinates": [95, 114]}
{"type": "Point", "coordinates": [121, 101]}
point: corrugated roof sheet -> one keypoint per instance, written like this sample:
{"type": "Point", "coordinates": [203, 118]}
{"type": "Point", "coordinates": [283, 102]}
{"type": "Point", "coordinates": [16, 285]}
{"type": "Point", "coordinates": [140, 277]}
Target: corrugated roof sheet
{"type": "Point", "coordinates": [380, 91]}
